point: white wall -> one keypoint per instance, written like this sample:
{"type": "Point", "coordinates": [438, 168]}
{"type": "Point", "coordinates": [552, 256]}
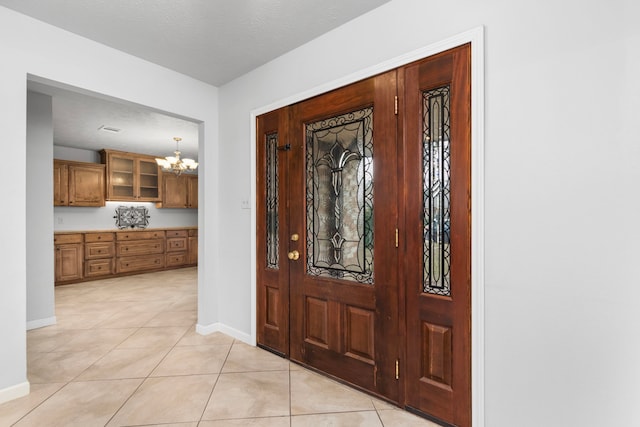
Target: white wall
{"type": "Point", "coordinates": [39, 214]}
{"type": "Point", "coordinates": [50, 55]}
{"type": "Point", "coordinates": [562, 173]}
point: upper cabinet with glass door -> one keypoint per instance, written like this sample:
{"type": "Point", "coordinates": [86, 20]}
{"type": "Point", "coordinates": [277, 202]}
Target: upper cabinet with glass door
{"type": "Point", "coordinates": [131, 177]}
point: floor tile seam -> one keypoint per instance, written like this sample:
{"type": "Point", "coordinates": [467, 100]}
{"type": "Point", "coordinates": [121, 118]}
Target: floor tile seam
{"type": "Point", "coordinates": [215, 383]}
{"type": "Point", "coordinates": [124, 402]}
{"type": "Point", "coordinates": [290, 400]}
{"type": "Point", "coordinates": [103, 356]}
{"type": "Point", "coordinates": [257, 371]}
{"type": "Point", "coordinates": [378, 413]}
{"type": "Point", "coordinates": [41, 403]}
{"type": "Point", "coordinates": [334, 412]}
{"type": "Point", "coordinates": [151, 376]}
{"type": "Point", "coordinates": [242, 418]}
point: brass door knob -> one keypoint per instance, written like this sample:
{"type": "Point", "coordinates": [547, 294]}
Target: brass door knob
{"type": "Point", "coordinates": [295, 237]}
{"type": "Point", "coordinates": [294, 255]}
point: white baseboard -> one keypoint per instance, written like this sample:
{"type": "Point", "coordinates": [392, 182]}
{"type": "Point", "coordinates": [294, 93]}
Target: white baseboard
{"type": "Point", "coordinates": [14, 392]}
{"type": "Point", "coordinates": [40, 323]}
{"type": "Point", "coordinates": [227, 330]}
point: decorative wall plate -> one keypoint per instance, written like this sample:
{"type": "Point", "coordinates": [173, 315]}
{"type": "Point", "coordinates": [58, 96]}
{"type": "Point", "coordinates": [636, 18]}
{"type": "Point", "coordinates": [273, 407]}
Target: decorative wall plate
{"type": "Point", "coordinates": [132, 217]}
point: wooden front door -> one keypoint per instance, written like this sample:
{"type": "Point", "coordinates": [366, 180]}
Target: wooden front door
{"type": "Point", "coordinates": [363, 222]}
{"type": "Point", "coordinates": [343, 287]}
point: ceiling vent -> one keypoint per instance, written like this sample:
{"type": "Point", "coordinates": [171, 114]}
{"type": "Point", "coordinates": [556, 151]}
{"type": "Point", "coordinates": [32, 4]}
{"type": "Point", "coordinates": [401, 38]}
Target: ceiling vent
{"type": "Point", "coordinates": [111, 129]}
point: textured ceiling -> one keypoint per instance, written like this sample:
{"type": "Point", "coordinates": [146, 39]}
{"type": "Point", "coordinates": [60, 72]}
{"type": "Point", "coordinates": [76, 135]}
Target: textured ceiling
{"type": "Point", "coordinates": [211, 40]}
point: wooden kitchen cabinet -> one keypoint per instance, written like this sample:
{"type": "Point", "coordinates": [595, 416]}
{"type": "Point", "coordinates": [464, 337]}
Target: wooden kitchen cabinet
{"type": "Point", "coordinates": [90, 255]}
{"type": "Point", "coordinates": [78, 183]}
{"type": "Point", "coordinates": [99, 250]}
{"type": "Point", "coordinates": [139, 251]}
{"type": "Point", "coordinates": [179, 191]}
{"type": "Point", "coordinates": [192, 191]}
{"type": "Point", "coordinates": [131, 177]}
{"type": "Point", "coordinates": [68, 257]}
{"type": "Point", "coordinates": [193, 247]}
{"type": "Point", "coordinates": [177, 248]}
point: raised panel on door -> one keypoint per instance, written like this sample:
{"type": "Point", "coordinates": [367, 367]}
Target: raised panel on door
{"type": "Point", "coordinates": [192, 191]}
{"type": "Point", "coordinates": [343, 186]}
{"type": "Point", "coordinates": [174, 194]}
{"type": "Point", "coordinates": [86, 185]}
{"type": "Point", "coordinates": [273, 239]}
{"type": "Point", "coordinates": [140, 247]}
{"type": "Point", "coordinates": [437, 257]}
{"type": "Point", "coordinates": [68, 262]}
{"type": "Point", "coordinates": [99, 250]}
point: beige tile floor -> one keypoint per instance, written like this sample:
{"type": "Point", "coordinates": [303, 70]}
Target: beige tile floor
{"type": "Point", "coordinates": [125, 353]}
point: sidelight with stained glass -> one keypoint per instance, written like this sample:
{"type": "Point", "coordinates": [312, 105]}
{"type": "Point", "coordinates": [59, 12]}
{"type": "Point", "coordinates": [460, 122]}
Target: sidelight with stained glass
{"type": "Point", "coordinates": [436, 191]}
{"type": "Point", "coordinates": [272, 224]}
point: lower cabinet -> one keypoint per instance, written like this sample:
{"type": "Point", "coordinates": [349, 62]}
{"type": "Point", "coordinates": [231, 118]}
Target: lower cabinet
{"type": "Point", "coordinates": [193, 247]}
{"type": "Point", "coordinates": [139, 263]}
{"type": "Point", "coordinates": [99, 250]}
{"type": "Point", "coordinates": [177, 248]}
{"type": "Point", "coordinates": [94, 255]}
{"type": "Point", "coordinates": [139, 251]}
{"type": "Point", "coordinates": [68, 257]}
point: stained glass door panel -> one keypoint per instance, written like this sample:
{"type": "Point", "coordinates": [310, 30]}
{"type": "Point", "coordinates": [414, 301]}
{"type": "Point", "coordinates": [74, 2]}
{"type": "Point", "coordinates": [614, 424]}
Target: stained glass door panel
{"type": "Point", "coordinates": [342, 199]}
{"type": "Point", "coordinates": [339, 194]}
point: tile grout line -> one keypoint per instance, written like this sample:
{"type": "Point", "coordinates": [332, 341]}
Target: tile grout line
{"type": "Point", "coordinates": [216, 382]}
{"type": "Point", "coordinates": [148, 375]}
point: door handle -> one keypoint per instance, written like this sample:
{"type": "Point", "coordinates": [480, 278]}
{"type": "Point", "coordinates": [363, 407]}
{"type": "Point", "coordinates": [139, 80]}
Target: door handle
{"type": "Point", "coordinates": [294, 255]}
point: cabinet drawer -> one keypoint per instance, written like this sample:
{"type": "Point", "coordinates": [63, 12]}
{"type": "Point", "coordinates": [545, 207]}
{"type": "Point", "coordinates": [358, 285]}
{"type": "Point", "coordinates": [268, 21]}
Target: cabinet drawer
{"type": "Point", "coordinates": [177, 244]}
{"type": "Point", "coordinates": [99, 250]}
{"type": "Point", "coordinates": [139, 263]}
{"type": "Point", "coordinates": [98, 267]}
{"type": "Point", "coordinates": [98, 237]}
{"type": "Point", "coordinates": [177, 233]}
{"type": "Point", "coordinates": [139, 235]}
{"type": "Point", "coordinates": [67, 238]}
{"type": "Point", "coordinates": [177, 259]}
{"type": "Point", "coordinates": [140, 247]}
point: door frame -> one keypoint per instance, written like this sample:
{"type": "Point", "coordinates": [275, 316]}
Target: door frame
{"type": "Point", "coordinates": [474, 36]}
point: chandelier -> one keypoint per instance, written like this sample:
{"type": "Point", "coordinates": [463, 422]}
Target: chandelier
{"type": "Point", "coordinates": [174, 163]}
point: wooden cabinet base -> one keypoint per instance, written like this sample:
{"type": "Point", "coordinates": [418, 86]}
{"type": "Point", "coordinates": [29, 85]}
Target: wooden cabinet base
{"type": "Point", "coordinates": [95, 268]}
{"type": "Point", "coordinates": [177, 259]}
{"type": "Point", "coordinates": [140, 263]}
{"type": "Point", "coordinates": [91, 255]}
